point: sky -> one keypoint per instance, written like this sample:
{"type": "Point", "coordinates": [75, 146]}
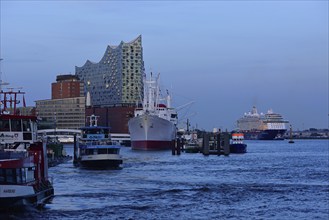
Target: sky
{"type": "Point", "coordinates": [222, 56]}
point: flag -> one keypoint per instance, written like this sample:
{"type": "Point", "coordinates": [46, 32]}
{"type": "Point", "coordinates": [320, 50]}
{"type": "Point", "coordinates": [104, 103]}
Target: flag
{"type": "Point", "coordinates": [24, 104]}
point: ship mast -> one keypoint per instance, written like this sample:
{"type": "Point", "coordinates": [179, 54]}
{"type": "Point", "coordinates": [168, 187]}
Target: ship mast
{"type": "Point", "coordinates": [1, 84]}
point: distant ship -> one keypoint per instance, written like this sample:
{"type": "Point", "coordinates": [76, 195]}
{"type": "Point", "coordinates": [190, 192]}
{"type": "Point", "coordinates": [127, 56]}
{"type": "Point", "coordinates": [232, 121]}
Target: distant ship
{"type": "Point", "coordinates": [267, 126]}
{"type": "Point", "coordinates": [153, 126]}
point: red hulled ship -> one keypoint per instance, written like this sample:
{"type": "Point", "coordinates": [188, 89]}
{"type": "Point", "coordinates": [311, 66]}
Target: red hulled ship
{"type": "Point", "coordinates": [154, 125]}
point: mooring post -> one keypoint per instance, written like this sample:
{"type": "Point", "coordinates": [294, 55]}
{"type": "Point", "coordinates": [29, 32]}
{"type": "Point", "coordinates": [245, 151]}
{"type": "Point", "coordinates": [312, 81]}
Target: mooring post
{"type": "Point", "coordinates": [218, 143]}
{"type": "Point", "coordinates": [226, 143]}
{"type": "Point", "coordinates": [173, 147]}
{"type": "Point", "coordinates": [75, 151]}
{"type": "Point", "coordinates": [179, 145]}
{"type": "Point", "coordinates": [205, 147]}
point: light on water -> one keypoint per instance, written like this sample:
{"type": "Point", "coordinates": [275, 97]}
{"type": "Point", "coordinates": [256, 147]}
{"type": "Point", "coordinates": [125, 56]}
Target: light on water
{"type": "Point", "coordinates": [274, 180]}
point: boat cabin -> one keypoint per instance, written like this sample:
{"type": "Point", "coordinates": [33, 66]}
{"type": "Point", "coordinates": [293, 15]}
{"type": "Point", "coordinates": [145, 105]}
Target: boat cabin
{"type": "Point", "coordinates": [14, 170]}
{"type": "Point", "coordinates": [95, 133]}
{"type": "Point", "coordinates": [17, 129]}
{"type": "Point", "coordinates": [237, 138]}
{"type": "Point", "coordinates": [94, 150]}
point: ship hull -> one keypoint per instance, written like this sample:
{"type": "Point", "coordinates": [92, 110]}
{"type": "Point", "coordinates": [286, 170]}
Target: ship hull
{"type": "Point", "coordinates": [100, 164]}
{"type": "Point", "coordinates": [36, 199]}
{"type": "Point", "coordinates": [271, 134]}
{"type": "Point", "coordinates": [238, 148]}
{"type": "Point", "coordinates": [100, 161]}
{"type": "Point", "coordinates": [264, 135]}
{"type": "Point", "coordinates": [150, 132]}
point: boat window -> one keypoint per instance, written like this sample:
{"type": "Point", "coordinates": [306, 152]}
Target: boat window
{"type": "Point", "coordinates": [2, 176]}
{"type": "Point", "coordinates": [16, 125]}
{"type": "Point", "coordinates": [4, 125]}
{"type": "Point", "coordinates": [10, 175]}
{"type": "Point", "coordinates": [89, 151]}
{"type": "Point", "coordinates": [26, 125]}
{"type": "Point", "coordinates": [102, 151]}
{"type": "Point", "coordinates": [24, 170]}
{"type": "Point", "coordinates": [14, 175]}
{"type": "Point", "coordinates": [113, 151]}
{"type": "Point", "coordinates": [30, 174]}
{"type": "Point", "coordinates": [19, 175]}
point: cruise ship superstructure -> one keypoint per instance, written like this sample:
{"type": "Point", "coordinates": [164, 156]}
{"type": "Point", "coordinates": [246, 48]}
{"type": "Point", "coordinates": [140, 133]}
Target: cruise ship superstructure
{"type": "Point", "coordinates": [261, 126]}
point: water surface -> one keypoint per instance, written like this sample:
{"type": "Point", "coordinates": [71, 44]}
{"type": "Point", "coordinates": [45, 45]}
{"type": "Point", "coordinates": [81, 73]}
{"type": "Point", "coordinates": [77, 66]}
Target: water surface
{"type": "Point", "coordinates": [274, 180]}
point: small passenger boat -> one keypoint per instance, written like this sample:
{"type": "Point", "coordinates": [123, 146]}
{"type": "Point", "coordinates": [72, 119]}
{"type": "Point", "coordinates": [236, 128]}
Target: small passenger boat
{"type": "Point", "coordinates": [95, 147]}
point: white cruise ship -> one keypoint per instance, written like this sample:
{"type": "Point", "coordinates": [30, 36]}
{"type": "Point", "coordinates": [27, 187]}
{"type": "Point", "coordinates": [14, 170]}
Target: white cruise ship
{"type": "Point", "coordinates": [267, 126]}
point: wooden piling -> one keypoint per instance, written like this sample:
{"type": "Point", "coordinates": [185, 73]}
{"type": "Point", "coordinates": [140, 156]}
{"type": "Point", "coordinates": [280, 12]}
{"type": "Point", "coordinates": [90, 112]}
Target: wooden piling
{"type": "Point", "coordinates": [176, 147]}
{"type": "Point", "coordinates": [218, 142]}
{"type": "Point", "coordinates": [173, 147]}
{"type": "Point", "coordinates": [179, 146]}
{"type": "Point", "coordinates": [205, 145]}
{"type": "Point", "coordinates": [226, 143]}
{"type": "Point", "coordinates": [75, 151]}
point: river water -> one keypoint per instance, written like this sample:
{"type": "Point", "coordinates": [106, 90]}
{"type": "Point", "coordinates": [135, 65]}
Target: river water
{"type": "Point", "coordinates": [273, 180]}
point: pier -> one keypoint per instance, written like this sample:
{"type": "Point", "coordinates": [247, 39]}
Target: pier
{"type": "Point", "coordinates": [213, 143]}
{"type": "Point", "coordinates": [216, 143]}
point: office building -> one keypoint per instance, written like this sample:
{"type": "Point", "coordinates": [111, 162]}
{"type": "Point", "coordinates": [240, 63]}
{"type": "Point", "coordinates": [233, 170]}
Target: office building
{"type": "Point", "coordinates": [66, 86]}
{"type": "Point", "coordinates": [66, 109]}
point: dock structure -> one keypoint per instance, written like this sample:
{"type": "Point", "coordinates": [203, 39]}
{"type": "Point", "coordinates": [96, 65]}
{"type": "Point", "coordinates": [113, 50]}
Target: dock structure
{"type": "Point", "coordinates": [213, 143]}
{"type": "Point", "coordinates": [216, 143]}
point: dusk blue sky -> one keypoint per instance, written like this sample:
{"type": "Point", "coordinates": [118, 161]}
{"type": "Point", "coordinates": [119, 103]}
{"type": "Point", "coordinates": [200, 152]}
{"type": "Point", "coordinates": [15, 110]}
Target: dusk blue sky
{"type": "Point", "coordinates": [226, 56]}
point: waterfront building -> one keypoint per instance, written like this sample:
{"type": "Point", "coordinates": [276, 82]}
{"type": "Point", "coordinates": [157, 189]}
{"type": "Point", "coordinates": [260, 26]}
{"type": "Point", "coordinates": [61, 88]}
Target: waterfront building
{"type": "Point", "coordinates": [117, 79]}
{"type": "Point", "coordinates": [68, 113]}
{"type": "Point", "coordinates": [66, 109]}
{"type": "Point", "coordinates": [66, 86]}
{"type": "Point", "coordinates": [115, 117]}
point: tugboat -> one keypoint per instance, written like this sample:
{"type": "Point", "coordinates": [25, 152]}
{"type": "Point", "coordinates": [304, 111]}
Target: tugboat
{"type": "Point", "coordinates": [237, 145]}
{"type": "Point", "coordinates": [23, 158]}
{"type": "Point", "coordinates": [95, 149]}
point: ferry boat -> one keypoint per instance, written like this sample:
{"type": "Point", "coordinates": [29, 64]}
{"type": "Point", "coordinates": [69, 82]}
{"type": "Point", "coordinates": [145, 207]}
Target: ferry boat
{"type": "Point", "coordinates": [24, 177]}
{"type": "Point", "coordinates": [237, 144]}
{"type": "Point", "coordinates": [269, 126]}
{"type": "Point", "coordinates": [153, 126]}
{"type": "Point", "coordinates": [95, 147]}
